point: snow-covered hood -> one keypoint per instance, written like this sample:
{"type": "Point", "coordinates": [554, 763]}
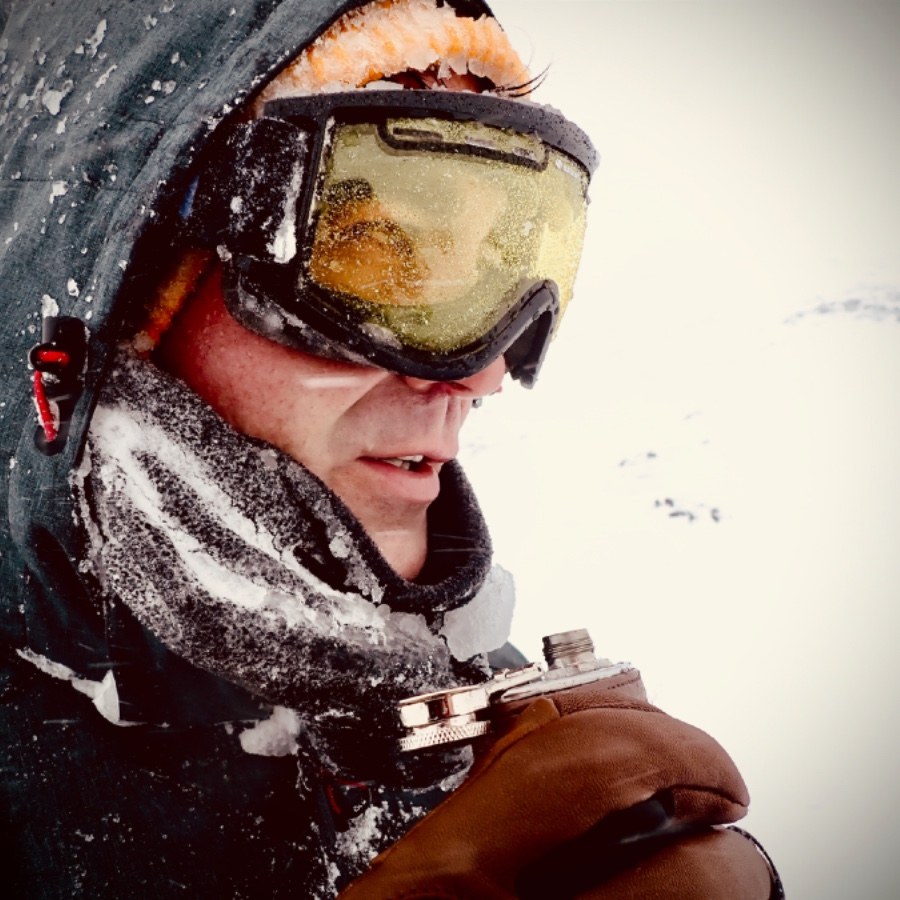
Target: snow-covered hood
{"type": "Point", "coordinates": [104, 106]}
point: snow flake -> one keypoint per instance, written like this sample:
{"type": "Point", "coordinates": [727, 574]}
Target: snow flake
{"type": "Point", "coordinates": [283, 246]}
{"type": "Point", "coordinates": [339, 547]}
{"type": "Point", "coordinates": [96, 39]}
{"type": "Point", "coordinates": [52, 99]}
{"type": "Point", "coordinates": [58, 189]}
{"type": "Point", "coordinates": [49, 306]}
{"type": "Point", "coordinates": [105, 76]}
{"type": "Point", "coordinates": [275, 736]}
{"type": "Point", "coordinates": [104, 694]}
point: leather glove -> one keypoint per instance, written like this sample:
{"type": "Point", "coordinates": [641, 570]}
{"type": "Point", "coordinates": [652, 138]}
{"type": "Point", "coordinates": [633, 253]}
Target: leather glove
{"type": "Point", "coordinates": [591, 793]}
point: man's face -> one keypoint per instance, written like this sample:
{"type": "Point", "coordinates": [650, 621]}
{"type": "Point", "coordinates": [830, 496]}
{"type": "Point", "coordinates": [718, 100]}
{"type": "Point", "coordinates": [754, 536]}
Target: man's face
{"type": "Point", "coordinates": [377, 439]}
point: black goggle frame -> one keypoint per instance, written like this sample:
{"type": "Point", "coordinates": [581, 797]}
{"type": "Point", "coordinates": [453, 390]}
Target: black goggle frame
{"type": "Point", "coordinates": [239, 205]}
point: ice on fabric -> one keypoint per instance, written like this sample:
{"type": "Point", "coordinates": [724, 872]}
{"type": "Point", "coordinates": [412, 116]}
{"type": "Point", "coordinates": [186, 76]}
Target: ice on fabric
{"type": "Point", "coordinates": [103, 694]}
{"type": "Point", "coordinates": [275, 736]}
{"type": "Point", "coordinates": [242, 562]}
{"type": "Point", "coordinates": [483, 624]}
{"type": "Point", "coordinates": [284, 245]}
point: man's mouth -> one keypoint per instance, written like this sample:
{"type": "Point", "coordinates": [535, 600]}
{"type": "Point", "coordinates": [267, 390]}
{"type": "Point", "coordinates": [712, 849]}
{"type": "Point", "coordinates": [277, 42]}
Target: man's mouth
{"type": "Point", "coordinates": [414, 463]}
{"type": "Point", "coordinates": [412, 477]}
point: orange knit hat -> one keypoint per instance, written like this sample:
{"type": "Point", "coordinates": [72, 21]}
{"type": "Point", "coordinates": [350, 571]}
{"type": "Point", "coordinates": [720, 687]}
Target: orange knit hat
{"type": "Point", "coordinates": [380, 40]}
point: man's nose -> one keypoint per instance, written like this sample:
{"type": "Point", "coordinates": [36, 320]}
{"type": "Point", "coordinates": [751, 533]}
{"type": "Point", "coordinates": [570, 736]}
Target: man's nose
{"type": "Point", "coordinates": [484, 382]}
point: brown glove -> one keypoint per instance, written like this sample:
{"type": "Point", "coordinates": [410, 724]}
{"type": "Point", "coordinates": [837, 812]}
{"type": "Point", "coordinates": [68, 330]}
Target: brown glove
{"type": "Point", "coordinates": [591, 782]}
{"type": "Point", "coordinates": [714, 863]}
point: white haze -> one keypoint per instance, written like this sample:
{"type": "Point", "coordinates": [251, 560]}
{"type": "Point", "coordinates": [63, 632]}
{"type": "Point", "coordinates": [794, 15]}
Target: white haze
{"type": "Point", "coordinates": [706, 474]}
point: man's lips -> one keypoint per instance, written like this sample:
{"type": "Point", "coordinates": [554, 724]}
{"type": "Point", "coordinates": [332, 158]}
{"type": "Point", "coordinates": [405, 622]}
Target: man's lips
{"type": "Point", "coordinates": [410, 462]}
{"type": "Point", "coordinates": [415, 462]}
{"type": "Point", "coordinates": [412, 476]}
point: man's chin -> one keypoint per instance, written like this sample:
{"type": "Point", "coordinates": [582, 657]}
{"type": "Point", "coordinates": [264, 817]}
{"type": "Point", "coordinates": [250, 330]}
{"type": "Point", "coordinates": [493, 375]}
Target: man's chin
{"type": "Point", "coordinates": [392, 504]}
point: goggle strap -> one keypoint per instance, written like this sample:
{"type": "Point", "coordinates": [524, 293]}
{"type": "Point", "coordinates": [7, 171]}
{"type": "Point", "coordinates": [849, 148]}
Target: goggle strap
{"type": "Point", "coordinates": [249, 184]}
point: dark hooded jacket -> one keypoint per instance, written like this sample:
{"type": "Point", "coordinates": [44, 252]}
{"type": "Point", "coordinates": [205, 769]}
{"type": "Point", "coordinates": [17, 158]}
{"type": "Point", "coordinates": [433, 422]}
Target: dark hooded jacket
{"type": "Point", "coordinates": [104, 109]}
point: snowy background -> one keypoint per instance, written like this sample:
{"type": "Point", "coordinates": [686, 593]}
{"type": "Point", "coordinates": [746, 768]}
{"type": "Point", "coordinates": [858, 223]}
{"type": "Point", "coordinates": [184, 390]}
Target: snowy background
{"type": "Point", "coordinates": [707, 474]}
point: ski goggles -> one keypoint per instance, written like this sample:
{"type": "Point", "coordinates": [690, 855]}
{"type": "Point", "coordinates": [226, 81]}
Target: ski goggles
{"type": "Point", "coordinates": [425, 232]}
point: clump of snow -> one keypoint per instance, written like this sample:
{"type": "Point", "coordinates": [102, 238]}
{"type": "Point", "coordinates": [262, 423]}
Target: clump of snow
{"type": "Point", "coordinates": [284, 245]}
{"type": "Point", "coordinates": [49, 306]}
{"type": "Point", "coordinates": [275, 736]}
{"type": "Point", "coordinates": [483, 624]}
{"type": "Point", "coordinates": [361, 839]}
{"type": "Point", "coordinates": [143, 343]}
{"type": "Point", "coordinates": [58, 189]}
{"type": "Point", "coordinates": [52, 99]}
{"type": "Point", "coordinates": [339, 547]}
{"type": "Point", "coordinates": [455, 779]}
{"type": "Point", "coordinates": [104, 694]}
{"type": "Point", "coordinates": [92, 44]}
{"type": "Point", "coordinates": [105, 76]}
{"type": "Point", "coordinates": [269, 459]}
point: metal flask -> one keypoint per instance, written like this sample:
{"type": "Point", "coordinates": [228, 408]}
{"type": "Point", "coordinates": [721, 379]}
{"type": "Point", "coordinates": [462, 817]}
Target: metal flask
{"type": "Point", "coordinates": [465, 713]}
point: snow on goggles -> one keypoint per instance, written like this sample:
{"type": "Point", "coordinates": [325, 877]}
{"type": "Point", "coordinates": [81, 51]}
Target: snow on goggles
{"type": "Point", "coordinates": [426, 232]}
